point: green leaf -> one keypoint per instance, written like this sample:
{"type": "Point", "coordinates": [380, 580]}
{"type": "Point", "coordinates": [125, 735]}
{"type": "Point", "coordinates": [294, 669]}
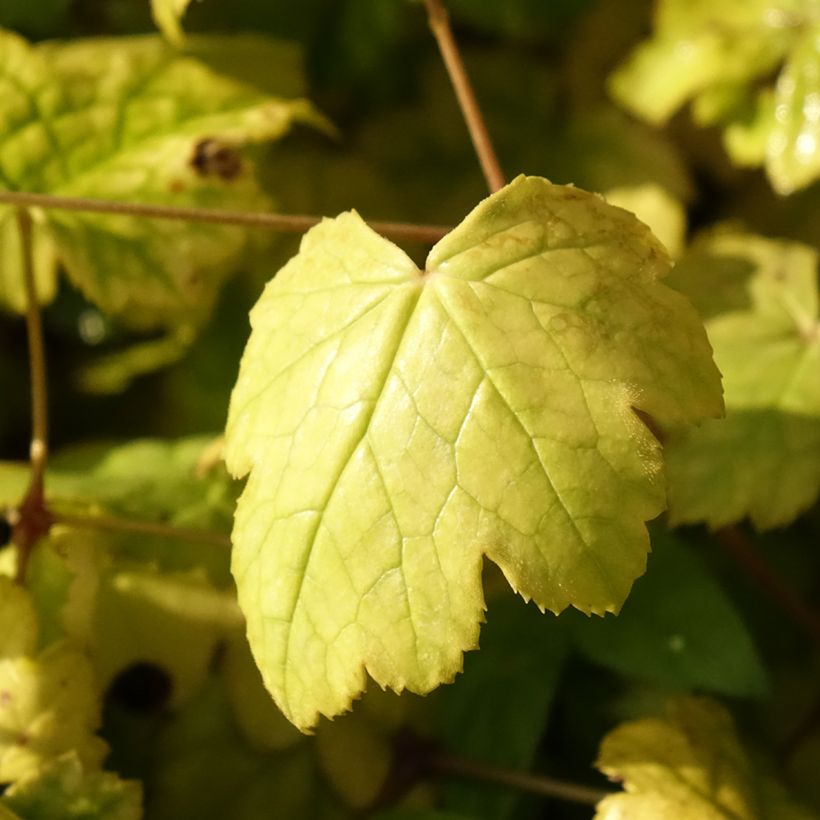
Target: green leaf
{"type": "Point", "coordinates": [677, 629]}
{"type": "Point", "coordinates": [49, 705]}
{"type": "Point", "coordinates": [497, 711]}
{"type": "Point", "coordinates": [167, 15]}
{"type": "Point", "coordinates": [18, 620]}
{"type": "Point", "coordinates": [688, 765]}
{"type": "Point", "coordinates": [12, 289]}
{"type": "Point", "coordinates": [720, 55]}
{"type": "Point", "coordinates": [64, 790]}
{"type": "Point", "coordinates": [759, 300]}
{"type": "Point", "coordinates": [656, 208]}
{"type": "Point", "coordinates": [203, 768]}
{"type": "Point", "coordinates": [793, 146]}
{"type": "Point", "coordinates": [399, 425]}
{"type": "Point", "coordinates": [177, 482]}
{"type": "Point", "coordinates": [132, 119]}
{"type": "Point", "coordinates": [174, 621]}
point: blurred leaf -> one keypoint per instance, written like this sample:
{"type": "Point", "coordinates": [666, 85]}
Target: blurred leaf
{"type": "Point", "coordinates": [50, 705]}
{"type": "Point", "coordinates": [677, 629]}
{"type": "Point", "coordinates": [132, 119]}
{"type": "Point", "coordinates": [174, 621]}
{"type": "Point", "coordinates": [145, 479]}
{"type": "Point", "coordinates": [496, 712]}
{"type": "Point", "coordinates": [62, 790]}
{"type": "Point", "coordinates": [656, 208]}
{"type": "Point", "coordinates": [18, 620]}
{"type": "Point", "coordinates": [338, 405]}
{"type": "Point", "coordinates": [720, 54]}
{"type": "Point", "coordinates": [12, 289]}
{"type": "Point", "coordinates": [759, 300]}
{"type": "Point", "coordinates": [688, 765]}
{"type": "Point", "coordinates": [167, 15]}
{"type": "Point", "coordinates": [203, 768]}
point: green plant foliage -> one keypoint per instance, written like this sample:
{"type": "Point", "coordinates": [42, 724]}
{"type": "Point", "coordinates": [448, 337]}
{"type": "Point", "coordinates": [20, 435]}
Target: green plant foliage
{"type": "Point", "coordinates": [62, 789]}
{"type": "Point", "coordinates": [51, 706]}
{"type": "Point", "coordinates": [497, 709]}
{"type": "Point", "coordinates": [136, 121]}
{"type": "Point", "coordinates": [720, 56]}
{"type": "Point", "coordinates": [510, 318]}
{"type": "Point", "coordinates": [677, 629]}
{"type": "Point", "coordinates": [167, 15]}
{"type": "Point", "coordinates": [759, 300]}
{"type": "Point", "coordinates": [688, 764]}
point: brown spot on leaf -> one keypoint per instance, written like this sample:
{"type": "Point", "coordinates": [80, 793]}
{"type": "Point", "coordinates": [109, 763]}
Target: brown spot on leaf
{"type": "Point", "coordinates": [214, 158]}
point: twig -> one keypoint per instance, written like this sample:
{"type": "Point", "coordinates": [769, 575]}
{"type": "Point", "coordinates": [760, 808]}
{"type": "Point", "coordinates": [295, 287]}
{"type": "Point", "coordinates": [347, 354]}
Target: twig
{"type": "Point", "coordinates": [31, 521]}
{"type": "Point", "coordinates": [115, 524]}
{"type": "Point", "coordinates": [446, 764]}
{"type": "Point", "coordinates": [440, 26]}
{"type": "Point", "coordinates": [293, 223]}
{"type": "Point", "coordinates": [757, 567]}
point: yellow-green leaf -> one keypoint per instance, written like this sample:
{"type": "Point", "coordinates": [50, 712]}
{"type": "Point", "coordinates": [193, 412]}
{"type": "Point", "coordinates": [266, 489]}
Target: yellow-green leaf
{"type": "Point", "coordinates": [133, 119]}
{"type": "Point", "coordinates": [48, 705]}
{"type": "Point", "coordinates": [399, 425]}
{"type": "Point", "coordinates": [759, 300]}
{"type": "Point", "coordinates": [167, 15]}
{"type": "Point", "coordinates": [63, 789]}
{"type": "Point", "coordinates": [720, 55]}
{"type": "Point", "coordinates": [18, 620]}
{"type": "Point", "coordinates": [689, 765]}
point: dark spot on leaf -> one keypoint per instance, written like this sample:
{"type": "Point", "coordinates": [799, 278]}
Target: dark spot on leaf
{"type": "Point", "coordinates": [176, 186]}
{"type": "Point", "coordinates": [213, 158]}
{"type": "Point", "coordinates": [142, 687]}
{"type": "Point", "coordinates": [5, 698]}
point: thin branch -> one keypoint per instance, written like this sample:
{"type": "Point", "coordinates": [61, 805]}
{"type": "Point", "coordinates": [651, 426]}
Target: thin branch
{"type": "Point", "coordinates": [756, 566]}
{"type": "Point", "coordinates": [32, 521]}
{"type": "Point", "coordinates": [440, 26]}
{"type": "Point", "coordinates": [446, 764]}
{"type": "Point", "coordinates": [112, 523]}
{"type": "Point", "coordinates": [293, 223]}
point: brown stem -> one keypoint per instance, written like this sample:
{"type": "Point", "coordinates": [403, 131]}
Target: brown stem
{"type": "Point", "coordinates": [440, 26]}
{"type": "Point", "coordinates": [446, 764]}
{"type": "Point", "coordinates": [756, 566]}
{"type": "Point", "coordinates": [115, 524]}
{"type": "Point", "coordinates": [294, 223]}
{"type": "Point", "coordinates": [31, 521]}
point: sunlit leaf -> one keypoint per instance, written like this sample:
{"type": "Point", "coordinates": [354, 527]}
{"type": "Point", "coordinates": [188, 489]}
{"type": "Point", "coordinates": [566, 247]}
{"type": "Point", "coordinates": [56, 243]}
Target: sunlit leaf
{"type": "Point", "coordinates": [63, 789]}
{"type": "Point", "coordinates": [759, 300]}
{"type": "Point", "coordinates": [721, 55]}
{"type": "Point", "coordinates": [689, 765]}
{"type": "Point", "coordinates": [134, 120]}
{"type": "Point", "coordinates": [12, 289]}
{"type": "Point", "coordinates": [400, 425]}
{"type": "Point", "coordinates": [48, 705]}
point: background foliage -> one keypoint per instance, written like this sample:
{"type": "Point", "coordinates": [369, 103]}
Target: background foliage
{"type": "Point", "coordinates": [140, 380]}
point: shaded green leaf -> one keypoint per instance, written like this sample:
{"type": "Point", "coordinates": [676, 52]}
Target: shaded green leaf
{"type": "Point", "coordinates": [677, 629]}
{"type": "Point", "coordinates": [64, 791]}
{"type": "Point", "coordinates": [496, 712]}
{"type": "Point", "coordinates": [400, 425]}
{"type": "Point", "coordinates": [759, 300]}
